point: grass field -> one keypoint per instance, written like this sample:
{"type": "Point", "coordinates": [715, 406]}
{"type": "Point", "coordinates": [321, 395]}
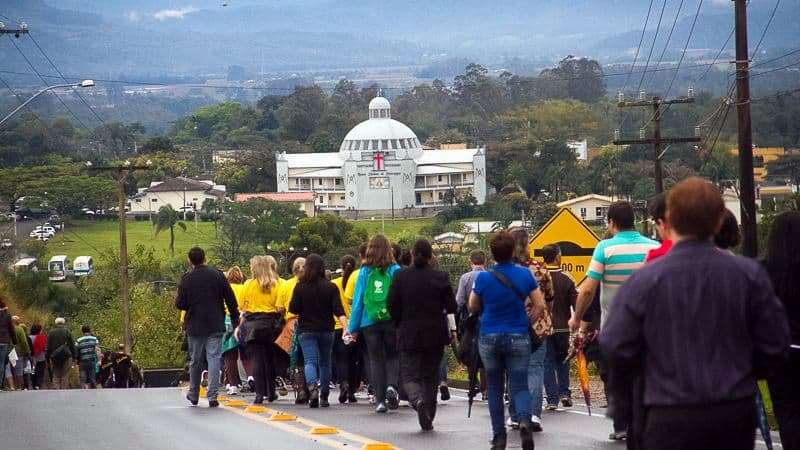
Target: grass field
{"type": "Point", "coordinates": [392, 228]}
{"type": "Point", "coordinates": [92, 237]}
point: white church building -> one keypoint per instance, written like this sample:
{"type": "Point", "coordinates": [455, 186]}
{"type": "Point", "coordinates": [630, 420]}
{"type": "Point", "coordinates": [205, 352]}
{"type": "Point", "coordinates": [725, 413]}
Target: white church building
{"type": "Point", "coordinates": [382, 166]}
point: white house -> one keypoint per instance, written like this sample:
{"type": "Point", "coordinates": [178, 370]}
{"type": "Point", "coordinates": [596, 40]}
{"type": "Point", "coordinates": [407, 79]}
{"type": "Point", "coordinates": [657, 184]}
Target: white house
{"type": "Point", "coordinates": [581, 149]}
{"type": "Point", "coordinates": [381, 165]}
{"type": "Point", "coordinates": [177, 192]}
{"type": "Point", "coordinates": [592, 207]}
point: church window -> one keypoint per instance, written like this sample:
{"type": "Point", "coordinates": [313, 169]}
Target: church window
{"type": "Point", "coordinates": [385, 144]}
{"type": "Point", "coordinates": [375, 145]}
{"type": "Point", "coordinates": [383, 114]}
{"type": "Point", "coordinates": [402, 143]}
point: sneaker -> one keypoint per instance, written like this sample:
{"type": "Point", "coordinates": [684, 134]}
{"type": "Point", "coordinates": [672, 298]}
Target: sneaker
{"type": "Point", "coordinates": [313, 401]}
{"type": "Point", "coordinates": [204, 378]}
{"type": "Point", "coordinates": [233, 390]}
{"type": "Point", "coordinates": [525, 435]}
{"type": "Point", "coordinates": [536, 424]}
{"type": "Point", "coordinates": [551, 407]}
{"type": "Point", "coordinates": [352, 398]}
{"type": "Point", "coordinates": [404, 403]}
{"type": "Point", "coordinates": [372, 399]}
{"type": "Point", "coordinates": [513, 424]}
{"type": "Point", "coordinates": [444, 393]}
{"type": "Point", "coordinates": [381, 408]}
{"type": "Point", "coordinates": [251, 382]}
{"type": "Point", "coordinates": [213, 403]}
{"type": "Point", "coordinates": [343, 392]}
{"type": "Point", "coordinates": [192, 400]}
{"type": "Point", "coordinates": [566, 402]}
{"type": "Point", "coordinates": [283, 391]}
{"type": "Point", "coordinates": [392, 398]}
{"type": "Point", "coordinates": [323, 400]}
{"type": "Point", "coordinates": [618, 435]}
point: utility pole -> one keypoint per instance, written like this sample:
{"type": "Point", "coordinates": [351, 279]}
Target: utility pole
{"type": "Point", "coordinates": [656, 140]}
{"type": "Point", "coordinates": [120, 174]}
{"type": "Point", "coordinates": [747, 189]}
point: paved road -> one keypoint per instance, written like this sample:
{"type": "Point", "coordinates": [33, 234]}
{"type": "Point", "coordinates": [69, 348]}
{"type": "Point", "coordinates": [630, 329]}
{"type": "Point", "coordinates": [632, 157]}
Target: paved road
{"type": "Point", "coordinates": [161, 419]}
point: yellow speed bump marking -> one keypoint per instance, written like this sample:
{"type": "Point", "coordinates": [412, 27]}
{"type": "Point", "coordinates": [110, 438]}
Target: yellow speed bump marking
{"type": "Point", "coordinates": [235, 403]}
{"type": "Point", "coordinates": [222, 398]}
{"type": "Point", "coordinates": [203, 392]}
{"type": "Point", "coordinates": [257, 409]}
{"type": "Point", "coordinates": [282, 417]}
{"type": "Point", "coordinates": [377, 446]}
{"type": "Point", "coordinates": [323, 430]}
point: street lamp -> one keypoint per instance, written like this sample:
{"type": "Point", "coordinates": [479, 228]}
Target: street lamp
{"type": "Point", "coordinates": [82, 84]}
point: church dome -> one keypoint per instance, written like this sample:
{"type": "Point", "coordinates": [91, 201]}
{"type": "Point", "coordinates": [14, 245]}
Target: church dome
{"type": "Point", "coordinates": [380, 133]}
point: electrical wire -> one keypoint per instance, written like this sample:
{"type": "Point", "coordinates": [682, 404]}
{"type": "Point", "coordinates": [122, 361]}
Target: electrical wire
{"type": "Point", "coordinates": [719, 53]}
{"type": "Point", "coordinates": [775, 95]}
{"type": "Point", "coordinates": [766, 28]}
{"type": "Point", "coordinates": [75, 90]}
{"type": "Point", "coordinates": [653, 45]}
{"type": "Point", "coordinates": [669, 36]}
{"type": "Point", "coordinates": [639, 47]}
{"type": "Point", "coordinates": [44, 83]}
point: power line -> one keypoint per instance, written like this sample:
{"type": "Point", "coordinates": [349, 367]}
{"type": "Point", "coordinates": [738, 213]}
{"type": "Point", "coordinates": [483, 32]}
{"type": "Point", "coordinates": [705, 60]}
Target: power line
{"type": "Point", "coordinates": [721, 49]}
{"type": "Point", "coordinates": [764, 72]}
{"type": "Point", "coordinates": [44, 82]}
{"type": "Point", "coordinates": [639, 47]}
{"type": "Point", "coordinates": [669, 36]}
{"type": "Point", "coordinates": [653, 45]}
{"type": "Point", "coordinates": [685, 47]}
{"type": "Point", "coordinates": [775, 95]}
{"type": "Point", "coordinates": [75, 90]}
{"type": "Point", "coordinates": [775, 58]}
{"type": "Point", "coordinates": [766, 28]}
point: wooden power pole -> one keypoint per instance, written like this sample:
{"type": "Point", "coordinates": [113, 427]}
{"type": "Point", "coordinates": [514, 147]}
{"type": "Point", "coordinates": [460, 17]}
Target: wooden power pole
{"type": "Point", "coordinates": [120, 174]}
{"type": "Point", "coordinates": [747, 189]}
{"type": "Point", "coordinates": [657, 140]}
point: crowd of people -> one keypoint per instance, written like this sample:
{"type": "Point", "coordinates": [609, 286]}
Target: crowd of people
{"type": "Point", "coordinates": [685, 327]}
{"type": "Point", "coordinates": [33, 359]}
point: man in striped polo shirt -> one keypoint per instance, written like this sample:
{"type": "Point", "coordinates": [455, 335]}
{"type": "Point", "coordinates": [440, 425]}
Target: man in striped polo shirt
{"type": "Point", "coordinates": [88, 346]}
{"type": "Point", "coordinates": [613, 261]}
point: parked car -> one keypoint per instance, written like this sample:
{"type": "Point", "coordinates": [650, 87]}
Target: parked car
{"type": "Point", "coordinates": [40, 231]}
{"type": "Point", "coordinates": [6, 243]}
{"type": "Point", "coordinates": [49, 228]}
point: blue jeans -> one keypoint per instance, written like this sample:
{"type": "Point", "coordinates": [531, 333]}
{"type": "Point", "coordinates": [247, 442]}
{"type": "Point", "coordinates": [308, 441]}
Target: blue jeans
{"type": "Point", "coordinates": [208, 349]}
{"type": "Point", "coordinates": [317, 347]}
{"type": "Point", "coordinates": [556, 373]}
{"type": "Point", "coordinates": [509, 355]}
{"type": "Point", "coordinates": [535, 380]}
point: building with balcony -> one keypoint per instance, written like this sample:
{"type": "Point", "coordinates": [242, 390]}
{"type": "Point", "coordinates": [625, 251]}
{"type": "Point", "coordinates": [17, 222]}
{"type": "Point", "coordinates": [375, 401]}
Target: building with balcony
{"type": "Point", "coordinates": [382, 166]}
{"type": "Point", "coordinates": [183, 194]}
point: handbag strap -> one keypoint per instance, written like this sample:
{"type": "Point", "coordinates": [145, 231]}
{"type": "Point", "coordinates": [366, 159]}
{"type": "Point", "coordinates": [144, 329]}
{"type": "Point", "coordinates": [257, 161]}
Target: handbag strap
{"type": "Point", "coordinates": [507, 283]}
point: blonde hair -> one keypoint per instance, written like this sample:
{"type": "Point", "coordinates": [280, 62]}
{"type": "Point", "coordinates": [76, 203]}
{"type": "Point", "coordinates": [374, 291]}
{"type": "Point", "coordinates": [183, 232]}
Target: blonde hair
{"type": "Point", "coordinates": [235, 275]}
{"type": "Point", "coordinates": [265, 272]}
{"type": "Point", "coordinates": [297, 265]}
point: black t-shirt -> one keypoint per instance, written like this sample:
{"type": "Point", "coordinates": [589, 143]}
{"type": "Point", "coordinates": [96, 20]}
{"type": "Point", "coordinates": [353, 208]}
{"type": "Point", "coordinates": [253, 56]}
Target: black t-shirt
{"type": "Point", "coordinates": [316, 304]}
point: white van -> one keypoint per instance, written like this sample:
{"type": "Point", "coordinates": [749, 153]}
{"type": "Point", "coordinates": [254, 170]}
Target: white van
{"type": "Point", "coordinates": [58, 267]}
{"type": "Point", "coordinates": [83, 266]}
{"type": "Point", "coordinates": [26, 265]}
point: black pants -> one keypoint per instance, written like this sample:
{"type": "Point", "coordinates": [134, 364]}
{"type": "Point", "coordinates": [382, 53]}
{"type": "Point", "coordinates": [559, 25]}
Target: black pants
{"type": "Point", "coordinates": [729, 426]}
{"type": "Point", "coordinates": [420, 374]}
{"type": "Point", "coordinates": [347, 360]}
{"type": "Point", "coordinates": [786, 401]}
{"type": "Point", "coordinates": [616, 402]}
{"type": "Point", "coordinates": [383, 358]}
{"type": "Point", "coordinates": [38, 375]}
{"type": "Point", "coordinates": [263, 368]}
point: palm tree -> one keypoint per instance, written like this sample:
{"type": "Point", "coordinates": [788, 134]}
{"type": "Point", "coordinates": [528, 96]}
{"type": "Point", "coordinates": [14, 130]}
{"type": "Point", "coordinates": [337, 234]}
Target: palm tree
{"type": "Point", "coordinates": [166, 219]}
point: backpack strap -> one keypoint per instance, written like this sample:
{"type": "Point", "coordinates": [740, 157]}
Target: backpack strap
{"type": "Point", "coordinates": [507, 283]}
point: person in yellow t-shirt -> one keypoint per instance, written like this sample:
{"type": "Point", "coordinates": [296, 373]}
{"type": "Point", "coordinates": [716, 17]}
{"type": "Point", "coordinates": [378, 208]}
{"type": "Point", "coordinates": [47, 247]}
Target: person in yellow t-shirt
{"type": "Point", "coordinates": [283, 343]}
{"type": "Point", "coordinates": [261, 321]}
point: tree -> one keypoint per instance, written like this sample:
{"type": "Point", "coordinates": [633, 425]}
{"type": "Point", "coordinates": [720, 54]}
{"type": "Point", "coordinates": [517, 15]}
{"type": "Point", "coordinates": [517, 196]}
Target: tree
{"type": "Point", "coordinates": [477, 93]}
{"type": "Point", "coordinates": [301, 112]}
{"type": "Point", "coordinates": [582, 78]}
{"type": "Point", "coordinates": [166, 219]}
{"type": "Point", "coordinates": [69, 194]}
{"type": "Point", "coordinates": [326, 232]}
{"type": "Point", "coordinates": [552, 119]}
{"type": "Point", "coordinates": [158, 144]}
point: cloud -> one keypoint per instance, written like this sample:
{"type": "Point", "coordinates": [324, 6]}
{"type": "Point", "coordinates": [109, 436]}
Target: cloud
{"type": "Point", "coordinates": [133, 16]}
{"type": "Point", "coordinates": [166, 14]}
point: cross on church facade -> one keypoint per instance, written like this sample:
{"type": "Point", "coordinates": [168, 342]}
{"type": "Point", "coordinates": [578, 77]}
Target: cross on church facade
{"type": "Point", "coordinates": [377, 161]}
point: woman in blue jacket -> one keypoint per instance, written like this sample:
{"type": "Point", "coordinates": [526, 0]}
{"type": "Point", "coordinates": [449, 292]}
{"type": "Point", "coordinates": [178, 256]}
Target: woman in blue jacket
{"type": "Point", "coordinates": [370, 317]}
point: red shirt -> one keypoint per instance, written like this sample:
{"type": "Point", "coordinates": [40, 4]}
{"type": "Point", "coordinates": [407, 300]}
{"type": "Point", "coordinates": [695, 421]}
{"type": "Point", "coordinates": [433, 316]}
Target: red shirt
{"type": "Point", "coordinates": [666, 245]}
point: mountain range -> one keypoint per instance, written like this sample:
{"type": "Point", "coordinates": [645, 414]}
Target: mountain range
{"type": "Point", "coordinates": [111, 38]}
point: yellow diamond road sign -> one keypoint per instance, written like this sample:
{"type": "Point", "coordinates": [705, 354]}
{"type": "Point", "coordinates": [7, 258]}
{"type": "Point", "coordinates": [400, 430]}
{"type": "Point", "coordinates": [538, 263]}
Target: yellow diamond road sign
{"type": "Point", "coordinates": [576, 240]}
